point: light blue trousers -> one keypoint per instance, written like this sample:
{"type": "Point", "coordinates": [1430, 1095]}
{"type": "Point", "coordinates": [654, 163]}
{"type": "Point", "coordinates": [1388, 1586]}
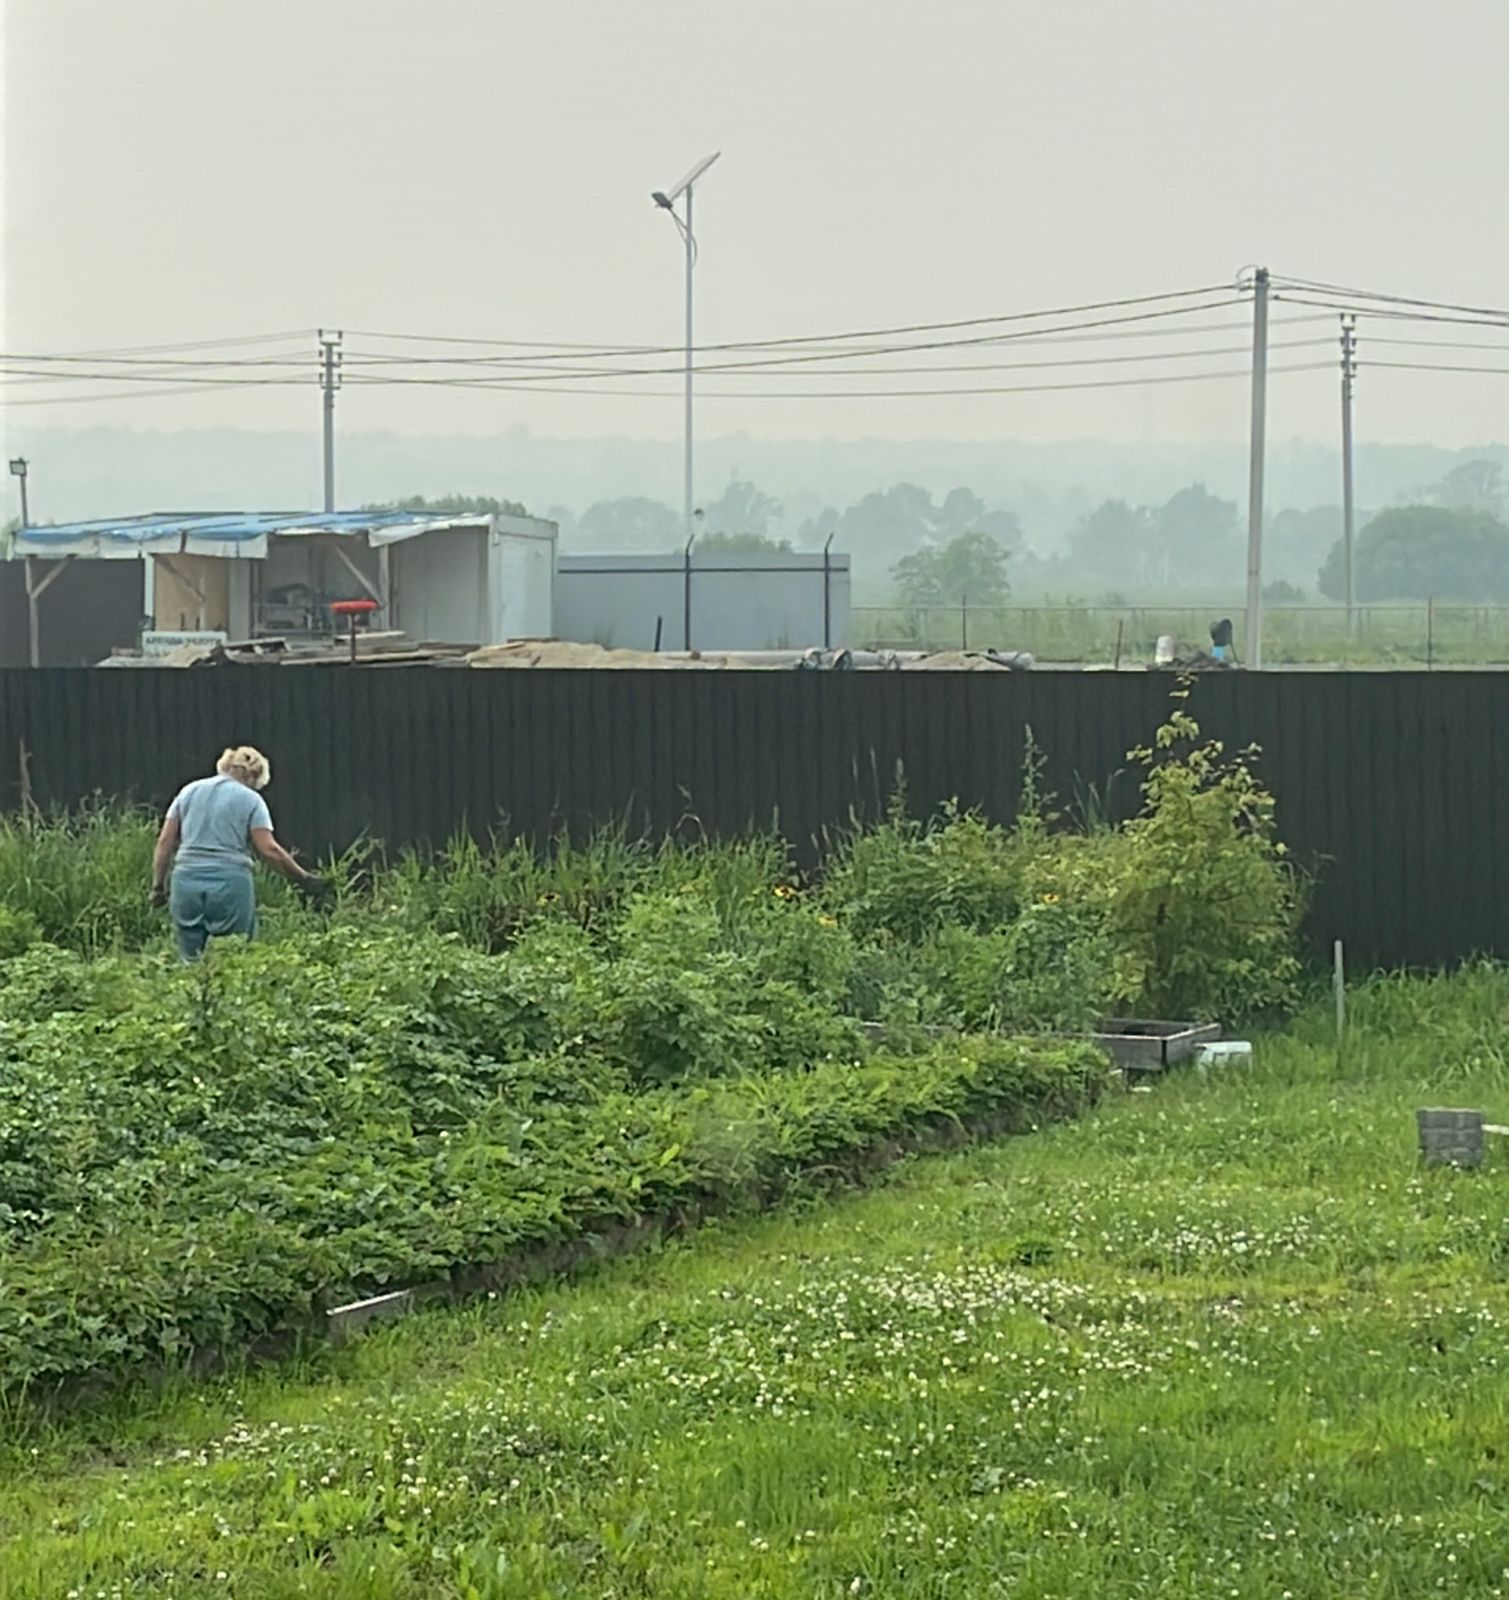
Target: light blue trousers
{"type": "Point", "coordinates": [211, 902]}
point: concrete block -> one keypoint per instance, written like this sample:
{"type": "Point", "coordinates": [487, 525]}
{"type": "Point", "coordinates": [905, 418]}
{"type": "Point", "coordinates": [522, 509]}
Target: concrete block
{"type": "Point", "coordinates": [1450, 1137]}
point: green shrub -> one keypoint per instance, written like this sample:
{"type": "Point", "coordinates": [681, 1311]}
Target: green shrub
{"type": "Point", "coordinates": [19, 931]}
{"type": "Point", "coordinates": [1202, 904]}
{"type": "Point", "coordinates": [909, 879]}
{"type": "Point", "coordinates": [1046, 971]}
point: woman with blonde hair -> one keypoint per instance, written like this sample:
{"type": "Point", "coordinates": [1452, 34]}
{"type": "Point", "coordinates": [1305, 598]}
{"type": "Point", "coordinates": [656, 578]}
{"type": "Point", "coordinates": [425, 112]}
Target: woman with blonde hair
{"type": "Point", "coordinates": [208, 838]}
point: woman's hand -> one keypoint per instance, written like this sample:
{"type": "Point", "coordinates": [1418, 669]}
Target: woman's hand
{"type": "Point", "coordinates": [316, 890]}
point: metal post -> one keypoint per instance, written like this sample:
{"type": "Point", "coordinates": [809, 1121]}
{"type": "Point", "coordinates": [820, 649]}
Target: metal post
{"type": "Point", "coordinates": [1255, 469]}
{"type": "Point", "coordinates": [329, 381]}
{"type": "Point", "coordinates": [691, 259]}
{"type": "Point", "coordinates": [1430, 630]}
{"type": "Point", "coordinates": [964, 622]}
{"type": "Point", "coordinates": [827, 593]}
{"type": "Point", "coordinates": [686, 597]}
{"type": "Point", "coordinates": [1348, 371]}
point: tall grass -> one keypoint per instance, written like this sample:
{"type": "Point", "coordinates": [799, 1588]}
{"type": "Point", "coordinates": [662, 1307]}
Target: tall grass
{"type": "Point", "coordinates": [83, 877]}
{"type": "Point", "coordinates": [489, 894]}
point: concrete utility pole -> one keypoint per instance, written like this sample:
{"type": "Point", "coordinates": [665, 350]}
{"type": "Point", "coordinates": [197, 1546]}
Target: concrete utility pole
{"type": "Point", "coordinates": [330, 381]}
{"type": "Point", "coordinates": [1348, 373]}
{"type": "Point", "coordinates": [1255, 469]}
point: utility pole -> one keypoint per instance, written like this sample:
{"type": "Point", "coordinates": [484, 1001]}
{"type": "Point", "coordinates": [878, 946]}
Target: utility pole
{"type": "Point", "coordinates": [1348, 373]}
{"type": "Point", "coordinates": [686, 471]}
{"type": "Point", "coordinates": [330, 381]}
{"type": "Point", "coordinates": [1255, 469]}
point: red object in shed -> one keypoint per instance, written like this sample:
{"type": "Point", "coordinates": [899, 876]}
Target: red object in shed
{"type": "Point", "coordinates": [353, 609]}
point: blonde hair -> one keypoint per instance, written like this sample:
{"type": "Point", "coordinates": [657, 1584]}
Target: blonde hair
{"type": "Point", "coordinates": [246, 764]}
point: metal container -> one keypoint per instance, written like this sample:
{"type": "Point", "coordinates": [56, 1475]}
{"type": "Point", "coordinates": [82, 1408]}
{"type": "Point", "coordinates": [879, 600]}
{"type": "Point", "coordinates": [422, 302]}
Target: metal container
{"type": "Point", "coordinates": [1138, 1044]}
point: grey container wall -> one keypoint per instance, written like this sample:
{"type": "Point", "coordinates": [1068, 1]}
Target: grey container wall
{"type": "Point", "coordinates": [703, 602]}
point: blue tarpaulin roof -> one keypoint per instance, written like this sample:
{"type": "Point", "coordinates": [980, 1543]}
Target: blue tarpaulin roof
{"type": "Point", "coordinates": [220, 533]}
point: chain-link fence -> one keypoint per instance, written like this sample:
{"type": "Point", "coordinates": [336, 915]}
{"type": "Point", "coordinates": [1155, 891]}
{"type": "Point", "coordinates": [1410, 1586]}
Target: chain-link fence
{"type": "Point", "coordinates": [1413, 635]}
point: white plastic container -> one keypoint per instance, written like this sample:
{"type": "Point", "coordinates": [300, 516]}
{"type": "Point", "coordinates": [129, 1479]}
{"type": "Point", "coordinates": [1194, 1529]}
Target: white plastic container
{"type": "Point", "coordinates": [1163, 653]}
{"type": "Point", "coordinates": [1223, 1053]}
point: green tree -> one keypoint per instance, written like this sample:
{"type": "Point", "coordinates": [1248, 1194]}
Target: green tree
{"type": "Point", "coordinates": [631, 523]}
{"type": "Point", "coordinates": [1473, 486]}
{"type": "Point", "coordinates": [970, 567]}
{"type": "Point", "coordinates": [893, 523]}
{"type": "Point", "coordinates": [1295, 542]}
{"type": "Point", "coordinates": [1111, 541]}
{"type": "Point", "coordinates": [742, 544]}
{"type": "Point", "coordinates": [1197, 533]}
{"type": "Point", "coordinates": [453, 505]}
{"type": "Point", "coordinates": [1283, 593]}
{"type": "Point", "coordinates": [741, 509]}
{"type": "Point", "coordinates": [1414, 552]}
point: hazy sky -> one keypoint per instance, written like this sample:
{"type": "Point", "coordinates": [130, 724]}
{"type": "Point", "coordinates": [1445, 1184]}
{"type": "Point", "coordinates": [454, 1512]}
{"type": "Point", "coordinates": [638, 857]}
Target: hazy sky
{"type": "Point", "coordinates": [193, 169]}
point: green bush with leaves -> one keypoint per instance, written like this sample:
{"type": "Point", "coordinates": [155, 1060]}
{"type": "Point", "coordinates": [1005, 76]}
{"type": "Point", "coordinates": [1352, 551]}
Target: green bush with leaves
{"type": "Point", "coordinates": [1046, 971]}
{"type": "Point", "coordinates": [19, 930]}
{"type": "Point", "coordinates": [906, 879]}
{"type": "Point", "coordinates": [1202, 904]}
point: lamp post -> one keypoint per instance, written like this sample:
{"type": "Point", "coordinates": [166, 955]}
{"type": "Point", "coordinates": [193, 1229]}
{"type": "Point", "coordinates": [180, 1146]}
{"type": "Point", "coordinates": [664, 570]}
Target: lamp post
{"type": "Point", "coordinates": [18, 470]}
{"type": "Point", "coordinates": [666, 200]}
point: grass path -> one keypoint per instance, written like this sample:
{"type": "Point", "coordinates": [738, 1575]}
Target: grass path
{"type": "Point", "coordinates": [1225, 1339]}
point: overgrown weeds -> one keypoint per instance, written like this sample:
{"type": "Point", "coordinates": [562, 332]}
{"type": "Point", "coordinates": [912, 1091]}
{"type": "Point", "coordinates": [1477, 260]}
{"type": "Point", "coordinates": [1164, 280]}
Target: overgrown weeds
{"type": "Point", "coordinates": [1189, 909]}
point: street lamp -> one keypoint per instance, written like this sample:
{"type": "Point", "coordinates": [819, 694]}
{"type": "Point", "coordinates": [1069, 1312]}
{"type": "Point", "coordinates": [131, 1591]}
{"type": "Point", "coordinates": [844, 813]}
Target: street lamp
{"type": "Point", "coordinates": [18, 470]}
{"type": "Point", "coordinates": [667, 203]}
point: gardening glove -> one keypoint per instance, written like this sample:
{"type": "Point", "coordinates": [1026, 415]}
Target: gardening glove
{"type": "Point", "coordinates": [159, 894]}
{"type": "Point", "coordinates": [317, 891]}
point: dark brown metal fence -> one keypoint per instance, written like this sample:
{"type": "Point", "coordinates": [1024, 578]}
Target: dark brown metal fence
{"type": "Point", "coordinates": [1394, 786]}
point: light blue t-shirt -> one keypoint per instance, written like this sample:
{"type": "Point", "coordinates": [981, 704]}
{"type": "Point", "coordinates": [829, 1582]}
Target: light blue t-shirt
{"type": "Point", "coordinates": [215, 819]}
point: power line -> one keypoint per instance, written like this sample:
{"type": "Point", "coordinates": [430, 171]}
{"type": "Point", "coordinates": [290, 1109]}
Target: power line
{"type": "Point", "coordinates": [1029, 338]}
{"type": "Point", "coordinates": [122, 394]}
{"type": "Point", "coordinates": [769, 367]}
{"type": "Point", "coordinates": [826, 338]}
{"type": "Point", "coordinates": [808, 356]}
{"type": "Point", "coordinates": [190, 344]}
{"type": "Point", "coordinates": [503, 386]}
{"type": "Point", "coordinates": [1315, 286]}
{"type": "Point", "coordinates": [136, 377]}
{"type": "Point", "coordinates": [166, 363]}
{"type": "Point", "coordinates": [1442, 344]}
{"type": "Point", "coordinates": [865, 372]}
{"type": "Point", "coordinates": [1431, 366]}
{"type": "Point", "coordinates": [1387, 314]}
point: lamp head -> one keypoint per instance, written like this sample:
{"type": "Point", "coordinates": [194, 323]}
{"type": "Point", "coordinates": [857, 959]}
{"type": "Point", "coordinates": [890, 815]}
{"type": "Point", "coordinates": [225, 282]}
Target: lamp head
{"type": "Point", "coordinates": [661, 199]}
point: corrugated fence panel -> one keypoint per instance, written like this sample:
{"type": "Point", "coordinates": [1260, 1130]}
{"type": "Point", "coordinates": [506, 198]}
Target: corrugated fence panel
{"type": "Point", "coordinates": [1391, 785]}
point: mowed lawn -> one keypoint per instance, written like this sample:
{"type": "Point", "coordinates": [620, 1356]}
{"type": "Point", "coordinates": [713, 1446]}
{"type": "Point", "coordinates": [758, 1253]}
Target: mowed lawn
{"type": "Point", "coordinates": [1226, 1338]}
